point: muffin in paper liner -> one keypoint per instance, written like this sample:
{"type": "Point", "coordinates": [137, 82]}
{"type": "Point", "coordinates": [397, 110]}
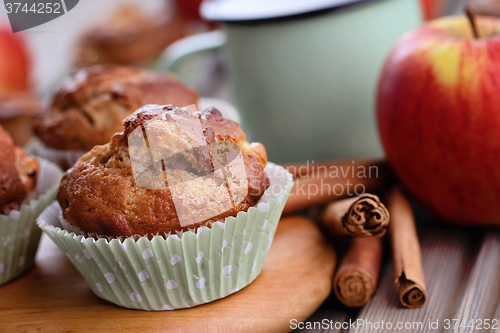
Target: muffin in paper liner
{"type": "Point", "coordinates": [179, 270]}
{"type": "Point", "coordinates": [19, 234]}
{"type": "Point", "coordinates": [65, 159]}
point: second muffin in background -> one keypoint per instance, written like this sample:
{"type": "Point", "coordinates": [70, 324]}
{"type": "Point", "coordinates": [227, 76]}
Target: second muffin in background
{"type": "Point", "coordinates": [90, 105]}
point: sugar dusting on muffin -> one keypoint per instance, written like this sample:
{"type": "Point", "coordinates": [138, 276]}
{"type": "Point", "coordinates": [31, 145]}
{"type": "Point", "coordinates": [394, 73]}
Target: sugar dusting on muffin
{"type": "Point", "coordinates": [170, 170]}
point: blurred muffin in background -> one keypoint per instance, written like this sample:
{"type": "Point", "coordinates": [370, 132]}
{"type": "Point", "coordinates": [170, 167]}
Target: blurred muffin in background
{"type": "Point", "coordinates": [18, 110]}
{"type": "Point", "coordinates": [27, 186]}
{"type": "Point", "coordinates": [18, 174]}
{"type": "Point", "coordinates": [130, 37]}
{"type": "Point", "coordinates": [91, 104]}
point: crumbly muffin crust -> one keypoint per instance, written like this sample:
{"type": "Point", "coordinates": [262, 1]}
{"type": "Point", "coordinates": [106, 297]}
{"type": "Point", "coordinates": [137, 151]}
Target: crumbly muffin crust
{"type": "Point", "coordinates": [189, 164]}
{"type": "Point", "coordinates": [90, 105]}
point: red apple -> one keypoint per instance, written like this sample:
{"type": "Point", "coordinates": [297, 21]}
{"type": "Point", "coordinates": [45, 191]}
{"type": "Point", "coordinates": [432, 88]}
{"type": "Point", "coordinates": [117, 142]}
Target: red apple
{"type": "Point", "coordinates": [438, 112]}
{"type": "Point", "coordinates": [431, 8]}
{"type": "Point", "coordinates": [14, 62]}
{"type": "Point", "coordinates": [189, 8]}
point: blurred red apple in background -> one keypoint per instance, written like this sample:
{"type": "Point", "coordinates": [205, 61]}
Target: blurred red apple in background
{"type": "Point", "coordinates": [438, 112]}
{"type": "Point", "coordinates": [14, 62]}
{"type": "Point", "coordinates": [432, 8]}
{"type": "Point", "coordinates": [189, 8]}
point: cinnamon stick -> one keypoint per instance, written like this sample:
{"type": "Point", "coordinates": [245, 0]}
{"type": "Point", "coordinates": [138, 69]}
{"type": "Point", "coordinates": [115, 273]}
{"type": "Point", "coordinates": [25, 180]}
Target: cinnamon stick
{"type": "Point", "coordinates": [337, 181]}
{"type": "Point", "coordinates": [360, 216]}
{"type": "Point", "coordinates": [356, 278]}
{"type": "Point", "coordinates": [408, 271]}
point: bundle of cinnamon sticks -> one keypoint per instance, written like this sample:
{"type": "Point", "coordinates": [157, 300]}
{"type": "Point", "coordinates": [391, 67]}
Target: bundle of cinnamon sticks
{"type": "Point", "coordinates": [339, 196]}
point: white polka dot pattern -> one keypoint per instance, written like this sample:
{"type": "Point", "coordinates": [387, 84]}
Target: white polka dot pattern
{"type": "Point", "coordinates": [171, 284]}
{"type": "Point", "coordinates": [180, 271]}
{"type": "Point", "coordinates": [265, 224]}
{"type": "Point", "coordinates": [199, 257]}
{"type": "Point", "coordinates": [226, 270]}
{"type": "Point", "coordinates": [147, 253]}
{"type": "Point", "coordinates": [248, 248]}
{"type": "Point", "coordinates": [110, 277]}
{"type": "Point", "coordinates": [263, 207]}
{"type": "Point", "coordinates": [87, 254]}
{"type": "Point", "coordinates": [143, 276]}
{"type": "Point", "coordinates": [175, 259]}
{"type": "Point", "coordinates": [119, 263]}
{"type": "Point", "coordinates": [77, 257]}
{"type": "Point", "coordinates": [201, 283]}
{"type": "Point", "coordinates": [136, 297]}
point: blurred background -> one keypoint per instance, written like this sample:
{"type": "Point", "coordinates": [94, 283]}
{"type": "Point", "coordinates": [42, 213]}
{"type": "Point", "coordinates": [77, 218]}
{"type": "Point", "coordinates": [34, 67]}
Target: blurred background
{"type": "Point", "coordinates": [297, 74]}
{"type": "Point", "coordinates": [52, 45]}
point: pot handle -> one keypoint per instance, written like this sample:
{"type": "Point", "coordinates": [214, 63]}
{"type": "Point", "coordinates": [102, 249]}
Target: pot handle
{"type": "Point", "coordinates": [171, 59]}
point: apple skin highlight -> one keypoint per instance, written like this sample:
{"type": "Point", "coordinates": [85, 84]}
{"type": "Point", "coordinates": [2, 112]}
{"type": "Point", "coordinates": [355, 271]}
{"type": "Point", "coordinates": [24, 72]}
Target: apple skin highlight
{"type": "Point", "coordinates": [438, 111]}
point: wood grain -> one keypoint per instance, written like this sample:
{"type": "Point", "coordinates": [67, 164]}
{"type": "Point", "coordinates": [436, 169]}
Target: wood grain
{"type": "Point", "coordinates": [446, 256]}
{"type": "Point", "coordinates": [295, 280]}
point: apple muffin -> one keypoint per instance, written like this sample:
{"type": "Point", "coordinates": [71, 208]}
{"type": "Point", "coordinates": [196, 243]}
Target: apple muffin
{"type": "Point", "coordinates": [169, 170]}
{"type": "Point", "coordinates": [90, 105]}
{"type": "Point", "coordinates": [129, 37]}
{"type": "Point", "coordinates": [18, 174]}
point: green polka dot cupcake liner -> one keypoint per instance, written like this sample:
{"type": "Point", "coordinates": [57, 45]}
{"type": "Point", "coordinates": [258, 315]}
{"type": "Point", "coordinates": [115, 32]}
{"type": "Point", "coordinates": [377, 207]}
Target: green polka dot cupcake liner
{"type": "Point", "coordinates": [180, 270]}
{"type": "Point", "coordinates": [19, 234]}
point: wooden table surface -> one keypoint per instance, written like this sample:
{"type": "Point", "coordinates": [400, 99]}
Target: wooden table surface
{"type": "Point", "coordinates": [295, 280]}
{"type": "Point", "coordinates": [462, 269]}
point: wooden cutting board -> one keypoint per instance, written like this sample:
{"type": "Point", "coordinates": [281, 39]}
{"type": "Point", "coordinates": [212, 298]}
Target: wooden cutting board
{"type": "Point", "coordinates": [295, 280]}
